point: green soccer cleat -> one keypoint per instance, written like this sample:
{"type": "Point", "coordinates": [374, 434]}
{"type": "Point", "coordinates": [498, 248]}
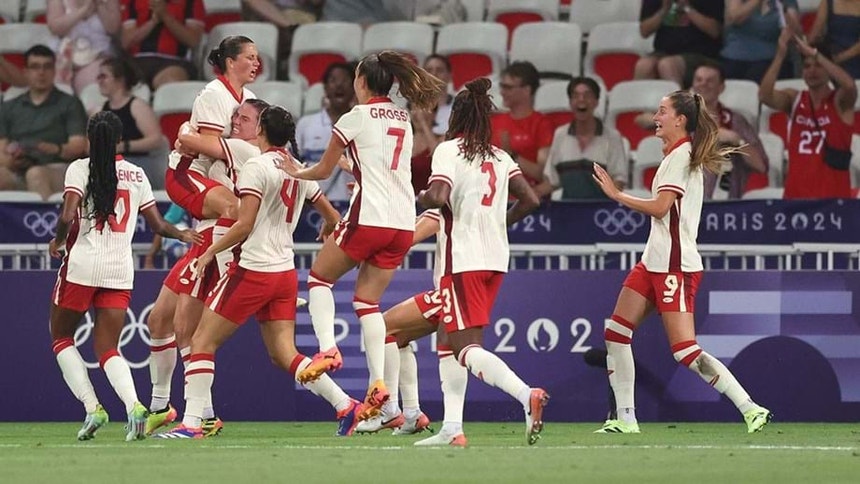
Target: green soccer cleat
{"type": "Point", "coordinates": [136, 423]}
{"type": "Point", "coordinates": [92, 423]}
{"type": "Point", "coordinates": [159, 419]}
{"type": "Point", "coordinates": [212, 426]}
{"type": "Point", "coordinates": [618, 427]}
{"type": "Point", "coordinates": [757, 418]}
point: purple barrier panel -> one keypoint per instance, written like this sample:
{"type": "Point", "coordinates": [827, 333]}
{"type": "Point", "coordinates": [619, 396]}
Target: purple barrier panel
{"type": "Point", "coordinates": [792, 339]}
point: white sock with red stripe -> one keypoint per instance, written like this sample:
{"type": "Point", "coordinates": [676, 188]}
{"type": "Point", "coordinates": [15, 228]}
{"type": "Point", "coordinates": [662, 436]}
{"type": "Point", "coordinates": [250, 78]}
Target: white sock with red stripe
{"type": "Point", "coordinates": [494, 372]}
{"type": "Point", "coordinates": [619, 365]}
{"type": "Point", "coordinates": [208, 410]}
{"type": "Point", "coordinates": [119, 375]}
{"type": "Point", "coordinates": [323, 387]}
{"type": "Point", "coordinates": [454, 378]}
{"type": "Point", "coordinates": [75, 373]}
{"type": "Point", "coordinates": [199, 375]}
{"type": "Point", "coordinates": [321, 309]}
{"type": "Point", "coordinates": [373, 335]}
{"type": "Point", "coordinates": [391, 374]}
{"type": "Point", "coordinates": [162, 362]}
{"type": "Point", "coordinates": [185, 354]}
{"type": "Point", "coordinates": [409, 382]}
{"type": "Point", "coordinates": [713, 371]}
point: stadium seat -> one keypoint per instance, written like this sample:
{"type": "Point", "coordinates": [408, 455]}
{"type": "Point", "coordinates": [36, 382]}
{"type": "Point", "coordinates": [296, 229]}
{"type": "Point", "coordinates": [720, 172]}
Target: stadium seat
{"type": "Point", "coordinates": [775, 150]}
{"type": "Point", "coordinates": [10, 11]}
{"type": "Point", "coordinates": [774, 121]}
{"type": "Point", "coordinates": [474, 49]}
{"type": "Point", "coordinates": [413, 38]}
{"type": "Point", "coordinates": [646, 160]}
{"type": "Point", "coordinates": [160, 196]}
{"type": "Point", "coordinates": [741, 96]}
{"type": "Point", "coordinates": [17, 38]}
{"type": "Point", "coordinates": [589, 13]}
{"type": "Point", "coordinates": [639, 192]}
{"type": "Point", "coordinates": [551, 100]}
{"type": "Point", "coordinates": [93, 100]}
{"type": "Point", "coordinates": [317, 45]}
{"type": "Point", "coordinates": [19, 196]}
{"type": "Point", "coordinates": [513, 13]}
{"type": "Point", "coordinates": [282, 93]}
{"type": "Point", "coordinates": [221, 12]}
{"type": "Point", "coordinates": [553, 47]}
{"type": "Point", "coordinates": [769, 193]}
{"type": "Point", "coordinates": [172, 104]}
{"type": "Point", "coordinates": [476, 10]}
{"type": "Point", "coordinates": [613, 50]}
{"type": "Point", "coordinates": [264, 35]}
{"type": "Point", "coordinates": [808, 10]}
{"type": "Point", "coordinates": [629, 99]}
{"type": "Point", "coordinates": [36, 12]}
{"type": "Point", "coordinates": [313, 99]}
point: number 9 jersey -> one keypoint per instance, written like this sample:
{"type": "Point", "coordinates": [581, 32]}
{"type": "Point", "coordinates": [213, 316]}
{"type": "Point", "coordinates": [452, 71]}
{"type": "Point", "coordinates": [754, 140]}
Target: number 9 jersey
{"type": "Point", "coordinates": [99, 254]}
{"type": "Point", "coordinates": [474, 233]}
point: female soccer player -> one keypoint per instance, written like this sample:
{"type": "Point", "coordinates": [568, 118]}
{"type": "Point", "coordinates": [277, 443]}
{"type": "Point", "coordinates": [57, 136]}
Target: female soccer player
{"type": "Point", "coordinates": [377, 230]}
{"type": "Point", "coordinates": [264, 282]}
{"type": "Point", "coordinates": [668, 275]}
{"type": "Point", "coordinates": [103, 196]}
{"type": "Point", "coordinates": [470, 182]}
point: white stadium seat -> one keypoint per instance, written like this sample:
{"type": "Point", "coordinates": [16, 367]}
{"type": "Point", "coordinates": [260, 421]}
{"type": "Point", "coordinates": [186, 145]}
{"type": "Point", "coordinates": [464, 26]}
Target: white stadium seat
{"type": "Point", "coordinates": [551, 46]}
{"type": "Point", "coordinates": [588, 13]}
{"type": "Point", "coordinates": [628, 99]}
{"type": "Point", "coordinates": [313, 99]}
{"type": "Point", "coordinates": [413, 38]}
{"type": "Point", "coordinates": [775, 149]}
{"type": "Point", "coordinates": [647, 158]}
{"type": "Point", "coordinates": [769, 193]}
{"type": "Point", "coordinates": [741, 96]}
{"type": "Point", "coordinates": [474, 49]}
{"type": "Point", "coordinates": [319, 44]}
{"type": "Point", "coordinates": [264, 35]}
{"type": "Point", "coordinates": [285, 94]}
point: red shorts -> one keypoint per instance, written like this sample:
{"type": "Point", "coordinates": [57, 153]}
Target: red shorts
{"type": "Point", "coordinates": [430, 304]}
{"type": "Point", "coordinates": [179, 278]}
{"type": "Point", "coordinates": [676, 290]}
{"type": "Point", "coordinates": [188, 189]}
{"type": "Point", "coordinates": [468, 298]}
{"type": "Point", "coordinates": [382, 247]}
{"type": "Point", "coordinates": [76, 297]}
{"type": "Point", "coordinates": [271, 296]}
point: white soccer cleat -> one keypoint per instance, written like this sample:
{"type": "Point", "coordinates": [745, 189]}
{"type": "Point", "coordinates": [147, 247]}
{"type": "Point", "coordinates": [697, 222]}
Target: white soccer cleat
{"type": "Point", "coordinates": [444, 438]}
{"type": "Point", "coordinates": [380, 422]}
{"type": "Point", "coordinates": [411, 426]}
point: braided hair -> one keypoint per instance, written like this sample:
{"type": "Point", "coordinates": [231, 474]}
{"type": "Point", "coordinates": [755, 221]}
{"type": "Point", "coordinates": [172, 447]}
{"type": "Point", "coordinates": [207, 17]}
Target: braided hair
{"type": "Point", "coordinates": [104, 131]}
{"type": "Point", "coordinates": [470, 119]}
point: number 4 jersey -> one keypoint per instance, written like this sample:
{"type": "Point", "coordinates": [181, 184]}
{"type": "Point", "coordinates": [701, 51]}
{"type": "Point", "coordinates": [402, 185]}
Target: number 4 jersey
{"type": "Point", "coordinates": [474, 232]}
{"type": "Point", "coordinates": [99, 254]}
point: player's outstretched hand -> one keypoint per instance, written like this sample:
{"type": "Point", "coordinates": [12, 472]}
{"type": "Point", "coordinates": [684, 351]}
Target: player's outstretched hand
{"type": "Point", "coordinates": [54, 247]}
{"type": "Point", "coordinates": [190, 236]}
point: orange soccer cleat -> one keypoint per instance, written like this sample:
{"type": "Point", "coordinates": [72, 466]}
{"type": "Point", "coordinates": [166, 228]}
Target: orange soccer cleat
{"type": "Point", "coordinates": [377, 395]}
{"type": "Point", "coordinates": [323, 362]}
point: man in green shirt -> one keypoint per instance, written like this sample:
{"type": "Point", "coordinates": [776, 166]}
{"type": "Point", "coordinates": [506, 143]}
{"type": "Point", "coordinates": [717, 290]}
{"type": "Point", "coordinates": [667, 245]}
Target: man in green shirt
{"type": "Point", "coordinates": [41, 131]}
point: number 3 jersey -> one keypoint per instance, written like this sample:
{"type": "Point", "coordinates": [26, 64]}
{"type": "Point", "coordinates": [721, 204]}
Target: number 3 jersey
{"type": "Point", "coordinates": [378, 139]}
{"type": "Point", "coordinates": [269, 246]}
{"type": "Point", "coordinates": [474, 233]}
{"type": "Point", "coordinates": [99, 254]}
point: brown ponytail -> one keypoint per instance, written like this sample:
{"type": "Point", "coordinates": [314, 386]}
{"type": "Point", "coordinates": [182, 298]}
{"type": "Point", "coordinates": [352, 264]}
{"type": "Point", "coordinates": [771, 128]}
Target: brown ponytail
{"type": "Point", "coordinates": [704, 131]}
{"type": "Point", "coordinates": [419, 87]}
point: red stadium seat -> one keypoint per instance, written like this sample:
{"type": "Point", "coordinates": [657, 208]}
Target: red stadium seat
{"type": "Point", "coordinates": [513, 13]}
{"type": "Point", "coordinates": [317, 45]}
{"type": "Point", "coordinates": [172, 104]}
{"type": "Point", "coordinates": [474, 49]}
{"type": "Point", "coordinates": [17, 38]}
{"type": "Point", "coordinates": [613, 49]}
{"type": "Point", "coordinates": [220, 12]}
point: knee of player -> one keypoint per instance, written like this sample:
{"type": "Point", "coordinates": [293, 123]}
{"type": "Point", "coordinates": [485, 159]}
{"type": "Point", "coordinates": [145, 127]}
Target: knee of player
{"type": "Point", "coordinates": [686, 352]}
{"type": "Point", "coordinates": [365, 308]}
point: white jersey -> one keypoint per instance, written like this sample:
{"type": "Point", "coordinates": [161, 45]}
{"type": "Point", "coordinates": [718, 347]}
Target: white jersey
{"type": "Point", "coordinates": [378, 138]}
{"type": "Point", "coordinates": [671, 244]}
{"type": "Point", "coordinates": [212, 109]}
{"type": "Point", "coordinates": [269, 246]}
{"type": "Point", "coordinates": [237, 153]}
{"type": "Point", "coordinates": [474, 232]}
{"type": "Point", "coordinates": [99, 255]}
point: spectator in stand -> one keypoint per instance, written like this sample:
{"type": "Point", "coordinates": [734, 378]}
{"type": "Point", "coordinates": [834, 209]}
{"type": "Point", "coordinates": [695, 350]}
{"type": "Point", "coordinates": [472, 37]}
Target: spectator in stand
{"type": "Point", "coordinates": [752, 29]}
{"type": "Point", "coordinates": [580, 144]}
{"type": "Point", "coordinates": [836, 25]}
{"type": "Point", "coordinates": [364, 12]}
{"type": "Point", "coordinates": [523, 132]}
{"type": "Point", "coordinates": [84, 31]}
{"type": "Point", "coordinates": [11, 74]}
{"type": "Point", "coordinates": [162, 34]}
{"type": "Point", "coordinates": [734, 130]}
{"type": "Point", "coordinates": [41, 131]}
{"type": "Point", "coordinates": [820, 122]}
{"type": "Point", "coordinates": [687, 33]}
{"type": "Point", "coordinates": [286, 15]}
{"type": "Point", "coordinates": [313, 131]}
{"type": "Point", "coordinates": [142, 141]}
{"type": "Point", "coordinates": [429, 127]}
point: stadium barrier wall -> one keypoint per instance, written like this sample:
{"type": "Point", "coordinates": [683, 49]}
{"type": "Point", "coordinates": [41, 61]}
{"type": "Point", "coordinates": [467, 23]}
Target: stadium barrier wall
{"type": "Point", "coordinates": [792, 338]}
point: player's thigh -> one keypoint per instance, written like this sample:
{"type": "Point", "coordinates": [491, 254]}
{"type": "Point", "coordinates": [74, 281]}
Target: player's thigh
{"type": "Point", "coordinates": [332, 262]}
{"type": "Point", "coordinates": [632, 306]}
{"type": "Point", "coordinates": [679, 327]}
{"type": "Point", "coordinates": [108, 326]}
{"type": "Point", "coordinates": [64, 322]}
{"type": "Point", "coordinates": [212, 332]}
{"type": "Point", "coordinates": [372, 282]}
{"type": "Point", "coordinates": [220, 202]}
{"type": "Point", "coordinates": [404, 316]}
{"type": "Point", "coordinates": [279, 336]}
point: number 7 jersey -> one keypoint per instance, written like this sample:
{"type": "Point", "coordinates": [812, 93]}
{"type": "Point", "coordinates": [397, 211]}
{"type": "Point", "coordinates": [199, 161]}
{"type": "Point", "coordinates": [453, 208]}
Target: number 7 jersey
{"type": "Point", "coordinates": [474, 233]}
{"type": "Point", "coordinates": [99, 254]}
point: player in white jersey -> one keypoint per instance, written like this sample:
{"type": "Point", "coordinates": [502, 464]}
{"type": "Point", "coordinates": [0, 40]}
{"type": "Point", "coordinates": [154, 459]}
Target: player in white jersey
{"type": "Point", "coordinates": [668, 275]}
{"type": "Point", "coordinates": [263, 282]}
{"type": "Point", "coordinates": [103, 196]}
{"type": "Point", "coordinates": [237, 63]}
{"type": "Point", "coordinates": [179, 304]}
{"type": "Point", "coordinates": [377, 230]}
{"type": "Point", "coordinates": [471, 182]}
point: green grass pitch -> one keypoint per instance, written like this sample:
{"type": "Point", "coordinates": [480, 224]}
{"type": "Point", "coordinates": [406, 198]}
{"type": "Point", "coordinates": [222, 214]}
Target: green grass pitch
{"type": "Point", "coordinates": [301, 453]}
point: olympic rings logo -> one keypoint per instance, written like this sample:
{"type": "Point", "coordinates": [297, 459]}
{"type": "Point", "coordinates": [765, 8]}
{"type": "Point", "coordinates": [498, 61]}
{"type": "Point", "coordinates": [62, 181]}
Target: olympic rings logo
{"type": "Point", "coordinates": [619, 221]}
{"type": "Point", "coordinates": [134, 326]}
{"type": "Point", "coordinates": [41, 224]}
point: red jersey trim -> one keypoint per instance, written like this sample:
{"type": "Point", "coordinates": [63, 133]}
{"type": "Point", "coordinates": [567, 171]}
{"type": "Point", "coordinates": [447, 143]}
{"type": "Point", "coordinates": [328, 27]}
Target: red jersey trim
{"type": "Point", "coordinates": [340, 135]}
{"type": "Point", "coordinates": [236, 95]}
{"type": "Point", "coordinates": [251, 191]}
{"type": "Point", "coordinates": [442, 178]}
{"type": "Point", "coordinates": [515, 173]}
{"type": "Point", "coordinates": [74, 190]}
{"type": "Point", "coordinates": [146, 205]}
{"type": "Point", "coordinates": [316, 196]}
{"type": "Point", "coordinates": [678, 143]}
{"type": "Point", "coordinates": [379, 99]}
